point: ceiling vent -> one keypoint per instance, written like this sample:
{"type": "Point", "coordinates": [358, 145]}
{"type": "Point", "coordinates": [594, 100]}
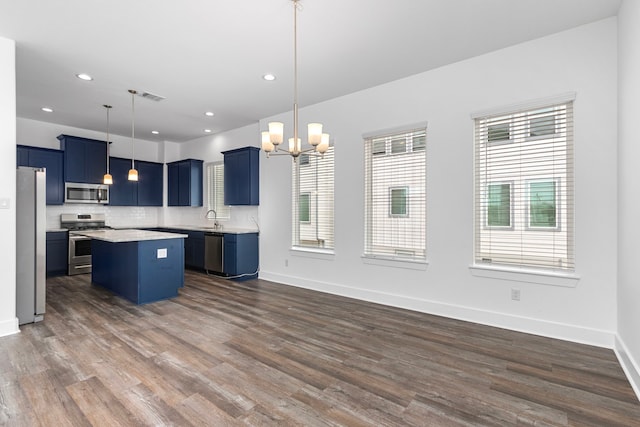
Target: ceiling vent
{"type": "Point", "coordinates": [151, 96]}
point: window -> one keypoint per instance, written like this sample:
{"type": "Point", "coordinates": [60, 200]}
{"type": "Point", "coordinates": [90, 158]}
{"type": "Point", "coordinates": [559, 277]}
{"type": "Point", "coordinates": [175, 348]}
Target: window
{"type": "Point", "coordinates": [524, 187]}
{"type": "Point", "coordinates": [215, 190]}
{"type": "Point", "coordinates": [499, 205]}
{"type": "Point", "coordinates": [312, 200]}
{"type": "Point", "coordinates": [498, 132]}
{"type": "Point", "coordinates": [379, 147]}
{"type": "Point", "coordinates": [399, 145]}
{"type": "Point", "coordinates": [398, 198]}
{"type": "Point", "coordinates": [303, 207]}
{"type": "Point", "coordinates": [542, 204]}
{"type": "Point", "coordinates": [395, 194]}
{"type": "Point", "coordinates": [541, 123]}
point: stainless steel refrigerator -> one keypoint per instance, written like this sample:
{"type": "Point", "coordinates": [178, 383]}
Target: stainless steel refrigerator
{"type": "Point", "coordinates": [31, 223]}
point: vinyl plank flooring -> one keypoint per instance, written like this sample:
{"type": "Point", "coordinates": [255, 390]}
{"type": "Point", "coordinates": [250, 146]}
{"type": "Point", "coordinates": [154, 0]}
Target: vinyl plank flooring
{"type": "Point", "coordinates": [258, 353]}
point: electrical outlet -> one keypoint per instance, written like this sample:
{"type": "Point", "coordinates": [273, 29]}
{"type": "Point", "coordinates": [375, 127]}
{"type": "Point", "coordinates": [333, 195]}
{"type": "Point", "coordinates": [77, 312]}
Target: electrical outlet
{"type": "Point", "coordinates": [515, 294]}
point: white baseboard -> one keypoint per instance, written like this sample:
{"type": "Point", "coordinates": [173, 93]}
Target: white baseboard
{"type": "Point", "coordinates": [9, 327]}
{"type": "Point", "coordinates": [567, 332]}
{"type": "Point", "coordinates": [629, 365]}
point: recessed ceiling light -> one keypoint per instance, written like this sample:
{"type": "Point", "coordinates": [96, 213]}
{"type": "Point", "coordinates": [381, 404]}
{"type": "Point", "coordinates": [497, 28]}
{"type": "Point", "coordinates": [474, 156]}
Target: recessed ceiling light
{"type": "Point", "coordinates": [209, 114]}
{"type": "Point", "coordinates": [207, 130]}
{"type": "Point", "coordinates": [155, 132]}
{"type": "Point", "coordinates": [84, 76]}
{"type": "Point", "coordinates": [269, 77]}
{"type": "Point", "coordinates": [47, 109]}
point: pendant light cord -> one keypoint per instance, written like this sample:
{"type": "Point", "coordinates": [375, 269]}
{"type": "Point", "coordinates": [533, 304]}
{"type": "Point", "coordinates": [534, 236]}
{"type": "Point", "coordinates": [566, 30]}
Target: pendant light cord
{"type": "Point", "coordinates": [295, 73]}
{"type": "Point", "coordinates": [133, 128]}
{"type": "Point", "coordinates": [108, 107]}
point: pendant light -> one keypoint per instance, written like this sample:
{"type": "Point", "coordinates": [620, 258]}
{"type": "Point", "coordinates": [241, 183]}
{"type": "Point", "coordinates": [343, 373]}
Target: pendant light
{"type": "Point", "coordinates": [133, 173]}
{"type": "Point", "coordinates": [108, 179]}
{"type": "Point", "coordinates": [272, 138]}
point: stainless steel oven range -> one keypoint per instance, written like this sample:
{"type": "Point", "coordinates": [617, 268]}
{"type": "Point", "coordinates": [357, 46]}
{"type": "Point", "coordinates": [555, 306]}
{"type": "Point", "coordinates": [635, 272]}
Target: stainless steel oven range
{"type": "Point", "coordinates": [80, 246]}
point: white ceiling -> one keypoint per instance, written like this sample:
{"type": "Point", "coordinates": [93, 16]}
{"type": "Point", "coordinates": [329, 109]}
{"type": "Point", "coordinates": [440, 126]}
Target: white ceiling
{"type": "Point", "coordinates": [210, 55]}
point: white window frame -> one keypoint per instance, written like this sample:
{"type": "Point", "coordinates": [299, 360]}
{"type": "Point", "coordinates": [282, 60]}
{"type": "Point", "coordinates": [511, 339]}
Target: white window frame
{"type": "Point", "coordinates": [390, 252]}
{"type": "Point", "coordinates": [215, 190]}
{"type": "Point", "coordinates": [321, 196]}
{"type": "Point", "coordinates": [533, 269]}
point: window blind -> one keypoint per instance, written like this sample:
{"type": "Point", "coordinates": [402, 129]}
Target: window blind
{"type": "Point", "coordinates": [215, 190]}
{"type": "Point", "coordinates": [523, 179]}
{"type": "Point", "coordinates": [395, 195]}
{"type": "Point", "coordinates": [312, 201]}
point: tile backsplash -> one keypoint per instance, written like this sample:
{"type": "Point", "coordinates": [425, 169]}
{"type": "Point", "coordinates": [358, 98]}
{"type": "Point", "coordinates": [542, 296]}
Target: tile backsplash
{"type": "Point", "coordinates": [140, 216]}
{"type": "Point", "coordinates": [116, 216]}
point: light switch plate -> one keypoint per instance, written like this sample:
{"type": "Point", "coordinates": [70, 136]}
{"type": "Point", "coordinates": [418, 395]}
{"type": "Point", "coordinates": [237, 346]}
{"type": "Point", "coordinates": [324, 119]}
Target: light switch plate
{"type": "Point", "coordinates": [5, 203]}
{"type": "Point", "coordinates": [162, 253]}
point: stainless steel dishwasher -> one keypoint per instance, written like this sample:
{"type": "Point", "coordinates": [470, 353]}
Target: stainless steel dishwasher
{"type": "Point", "coordinates": [214, 252]}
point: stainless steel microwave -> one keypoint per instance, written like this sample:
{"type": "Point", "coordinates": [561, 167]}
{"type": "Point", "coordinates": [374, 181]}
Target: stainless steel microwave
{"type": "Point", "coordinates": [75, 192]}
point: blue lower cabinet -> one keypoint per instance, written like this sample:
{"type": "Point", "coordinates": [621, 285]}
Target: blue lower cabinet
{"type": "Point", "coordinates": [241, 255]}
{"type": "Point", "coordinates": [137, 271]}
{"type": "Point", "coordinates": [194, 249]}
{"type": "Point", "coordinates": [57, 253]}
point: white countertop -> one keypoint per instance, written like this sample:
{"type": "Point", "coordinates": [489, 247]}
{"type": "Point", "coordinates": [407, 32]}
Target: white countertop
{"type": "Point", "coordinates": [129, 235]}
{"type": "Point", "coordinates": [224, 229]}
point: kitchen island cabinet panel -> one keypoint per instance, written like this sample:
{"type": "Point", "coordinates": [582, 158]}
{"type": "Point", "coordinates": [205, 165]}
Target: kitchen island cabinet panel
{"type": "Point", "coordinates": [140, 271]}
{"type": "Point", "coordinates": [85, 159]}
{"type": "Point", "coordinates": [52, 161]}
{"type": "Point", "coordinates": [242, 176]}
{"type": "Point", "coordinates": [57, 253]}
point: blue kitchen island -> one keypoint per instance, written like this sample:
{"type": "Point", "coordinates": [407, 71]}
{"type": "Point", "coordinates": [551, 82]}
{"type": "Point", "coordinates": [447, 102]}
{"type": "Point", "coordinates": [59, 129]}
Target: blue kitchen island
{"type": "Point", "coordinates": [141, 266]}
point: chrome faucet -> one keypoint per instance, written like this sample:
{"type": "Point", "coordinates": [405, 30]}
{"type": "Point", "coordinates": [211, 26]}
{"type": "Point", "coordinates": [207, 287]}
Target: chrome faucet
{"type": "Point", "coordinates": [215, 214]}
{"type": "Point", "coordinates": [216, 224]}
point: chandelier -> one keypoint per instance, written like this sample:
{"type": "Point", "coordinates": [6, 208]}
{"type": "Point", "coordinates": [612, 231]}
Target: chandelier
{"type": "Point", "coordinates": [272, 138]}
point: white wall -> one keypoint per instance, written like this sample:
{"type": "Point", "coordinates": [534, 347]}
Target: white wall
{"type": "Point", "coordinates": [8, 320]}
{"type": "Point", "coordinates": [628, 345]}
{"type": "Point", "coordinates": [582, 60]}
{"type": "Point", "coordinates": [42, 134]}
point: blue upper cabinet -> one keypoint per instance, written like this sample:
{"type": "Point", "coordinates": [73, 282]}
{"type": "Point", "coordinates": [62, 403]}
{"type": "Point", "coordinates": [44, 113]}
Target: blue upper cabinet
{"type": "Point", "coordinates": [146, 192]}
{"type": "Point", "coordinates": [52, 161]}
{"type": "Point", "coordinates": [84, 159]}
{"type": "Point", "coordinates": [242, 176]}
{"type": "Point", "coordinates": [150, 183]}
{"type": "Point", "coordinates": [185, 182]}
{"type": "Point", "coordinates": [122, 192]}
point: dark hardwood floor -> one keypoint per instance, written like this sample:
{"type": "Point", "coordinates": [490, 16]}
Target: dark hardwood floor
{"type": "Point", "coordinates": [259, 353]}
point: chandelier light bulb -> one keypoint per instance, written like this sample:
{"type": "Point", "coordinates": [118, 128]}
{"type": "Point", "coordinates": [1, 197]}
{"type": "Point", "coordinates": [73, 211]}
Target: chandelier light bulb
{"type": "Point", "coordinates": [267, 146]}
{"type": "Point", "coordinates": [276, 131]}
{"type": "Point", "coordinates": [294, 146]}
{"type": "Point", "coordinates": [314, 133]}
{"type": "Point", "coordinates": [324, 144]}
